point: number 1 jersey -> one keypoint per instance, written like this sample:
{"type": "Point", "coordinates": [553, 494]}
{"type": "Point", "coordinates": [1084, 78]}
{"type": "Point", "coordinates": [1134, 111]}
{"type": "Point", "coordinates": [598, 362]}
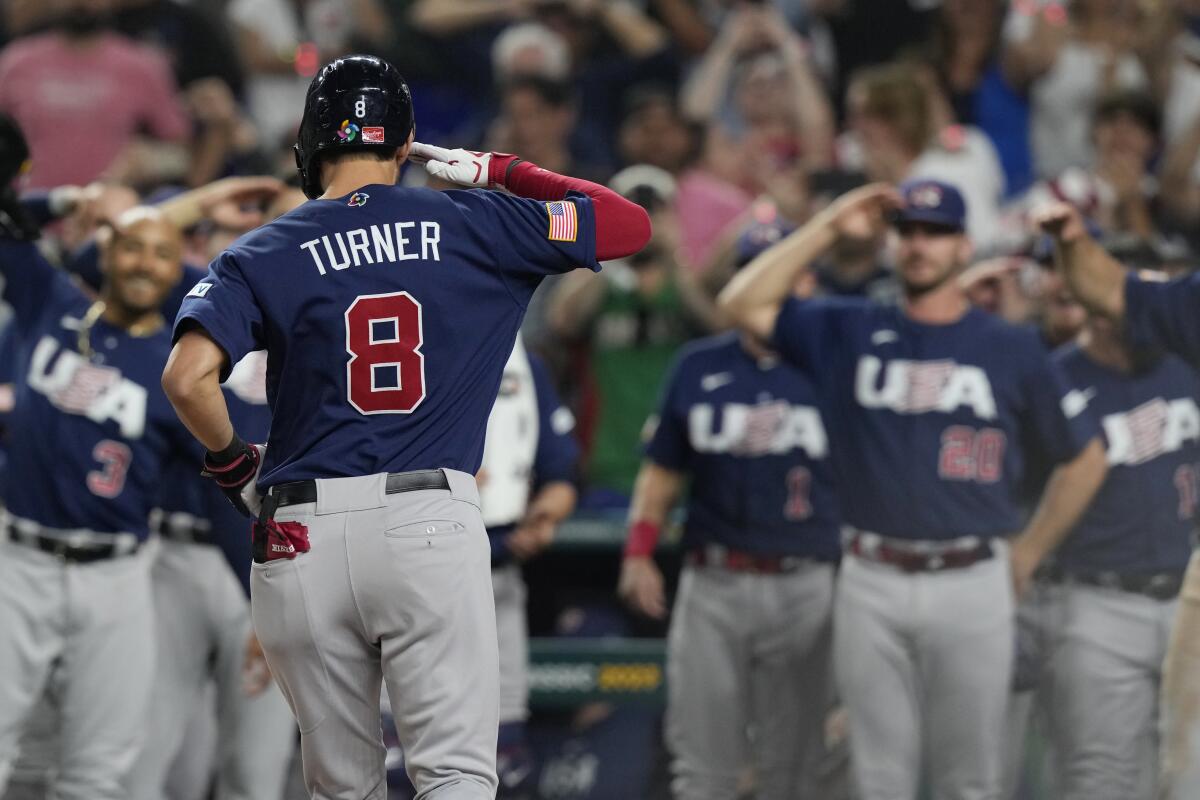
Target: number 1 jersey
{"type": "Point", "coordinates": [387, 315]}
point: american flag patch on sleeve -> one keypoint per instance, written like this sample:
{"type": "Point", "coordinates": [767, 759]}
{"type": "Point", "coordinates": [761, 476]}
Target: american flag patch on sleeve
{"type": "Point", "coordinates": [564, 221]}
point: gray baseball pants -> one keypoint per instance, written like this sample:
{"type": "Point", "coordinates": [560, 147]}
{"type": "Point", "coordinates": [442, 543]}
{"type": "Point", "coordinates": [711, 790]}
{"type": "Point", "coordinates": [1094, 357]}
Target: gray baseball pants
{"type": "Point", "coordinates": [748, 680]}
{"type": "Point", "coordinates": [508, 588]}
{"type": "Point", "coordinates": [96, 622]}
{"type": "Point", "coordinates": [923, 663]}
{"type": "Point", "coordinates": [397, 589]}
{"type": "Point", "coordinates": [1181, 695]}
{"type": "Point", "coordinates": [1106, 671]}
{"type": "Point", "coordinates": [203, 625]}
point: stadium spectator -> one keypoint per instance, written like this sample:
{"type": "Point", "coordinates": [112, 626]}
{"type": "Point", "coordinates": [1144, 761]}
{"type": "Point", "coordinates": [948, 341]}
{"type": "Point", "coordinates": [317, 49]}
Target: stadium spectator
{"type": "Point", "coordinates": [965, 54]}
{"type": "Point", "coordinates": [629, 321]}
{"type": "Point", "coordinates": [537, 117]}
{"type": "Point", "coordinates": [900, 126]}
{"type": "Point", "coordinates": [195, 43]}
{"type": "Point", "coordinates": [654, 132]}
{"type": "Point", "coordinates": [80, 82]}
{"type": "Point", "coordinates": [1066, 55]}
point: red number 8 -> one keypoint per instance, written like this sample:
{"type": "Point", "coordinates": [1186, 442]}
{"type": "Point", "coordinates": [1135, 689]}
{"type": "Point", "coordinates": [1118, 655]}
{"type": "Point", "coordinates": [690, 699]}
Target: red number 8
{"type": "Point", "coordinates": [396, 318]}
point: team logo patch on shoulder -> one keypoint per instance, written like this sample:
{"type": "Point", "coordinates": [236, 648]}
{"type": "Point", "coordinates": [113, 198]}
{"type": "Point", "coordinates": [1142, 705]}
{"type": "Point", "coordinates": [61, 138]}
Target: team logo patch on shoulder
{"type": "Point", "coordinates": [358, 199]}
{"type": "Point", "coordinates": [564, 221]}
{"type": "Point", "coordinates": [372, 135]}
{"type": "Point", "coordinates": [200, 289]}
{"type": "Point", "coordinates": [348, 132]}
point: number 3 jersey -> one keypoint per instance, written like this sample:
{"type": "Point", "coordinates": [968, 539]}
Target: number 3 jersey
{"type": "Point", "coordinates": [88, 435]}
{"type": "Point", "coordinates": [749, 434]}
{"type": "Point", "coordinates": [931, 424]}
{"type": "Point", "coordinates": [1141, 520]}
{"type": "Point", "coordinates": [387, 316]}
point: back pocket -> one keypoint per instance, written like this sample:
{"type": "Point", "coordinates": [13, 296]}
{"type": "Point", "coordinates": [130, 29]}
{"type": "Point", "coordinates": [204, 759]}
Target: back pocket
{"type": "Point", "coordinates": [425, 528]}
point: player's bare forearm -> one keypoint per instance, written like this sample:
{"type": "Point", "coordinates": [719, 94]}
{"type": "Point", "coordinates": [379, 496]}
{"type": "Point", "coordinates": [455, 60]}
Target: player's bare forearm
{"type": "Point", "coordinates": [654, 493]}
{"type": "Point", "coordinates": [553, 503]}
{"type": "Point", "coordinates": [752, 298]}
{"type": "Point", "coordinates": [1067, 495]}
{"type": "Point", "coordinates": [192, 382]}
{"type": "Point", "coordinates": [1095, 278]}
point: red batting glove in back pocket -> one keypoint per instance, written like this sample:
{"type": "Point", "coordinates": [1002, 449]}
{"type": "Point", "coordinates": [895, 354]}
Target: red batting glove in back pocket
{"type": "Point", "coordinates": [283, 539]}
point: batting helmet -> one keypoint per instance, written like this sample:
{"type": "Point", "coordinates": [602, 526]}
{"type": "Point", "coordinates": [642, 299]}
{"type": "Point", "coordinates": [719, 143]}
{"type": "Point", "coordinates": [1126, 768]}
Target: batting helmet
{"type": "Point", "coordinates": [354, 102]}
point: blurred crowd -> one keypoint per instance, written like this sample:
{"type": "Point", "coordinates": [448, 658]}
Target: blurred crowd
{"type": "Point", "coordinates": [732, 122]}
{"type": "Point", "coordinates": [721, 117]}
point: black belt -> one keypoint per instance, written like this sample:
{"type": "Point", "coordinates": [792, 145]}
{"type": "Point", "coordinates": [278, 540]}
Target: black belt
{"type": "Point", "coordinates": [296, 492]}
{"type": "Point", "coordinates": [196, 531]}
{"type": "Point", "coordinates": [1155, 585]}
{"type": "Point", "coordinates": [75, 553]}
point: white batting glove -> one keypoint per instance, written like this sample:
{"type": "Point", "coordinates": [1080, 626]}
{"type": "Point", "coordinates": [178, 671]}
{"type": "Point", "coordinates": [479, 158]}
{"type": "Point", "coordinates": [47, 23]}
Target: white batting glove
{"type": "Point", "coordinates": [464, 167]}
{"type": "Point", "coordinates": [249, 494]}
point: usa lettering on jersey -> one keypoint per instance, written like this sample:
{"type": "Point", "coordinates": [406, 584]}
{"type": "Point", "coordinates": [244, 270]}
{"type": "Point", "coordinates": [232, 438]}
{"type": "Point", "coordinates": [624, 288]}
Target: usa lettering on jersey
{"type": "Point", "coordinates": [74, 385]}
{"type": "Point", "coordinates": [918, 387]}
{"type": "Point", "coordinates": [753, 430]}
{"type": "Point", "coordinates": [376, 244]}
{"type": "Point", "coordinates": [1154, 428]}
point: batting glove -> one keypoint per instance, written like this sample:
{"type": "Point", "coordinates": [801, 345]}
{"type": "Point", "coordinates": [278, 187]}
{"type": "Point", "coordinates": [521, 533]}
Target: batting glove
{"type": "Point", "coordinates": [464, 167]}
{"type": "Point", "coordinates": [235, 470]}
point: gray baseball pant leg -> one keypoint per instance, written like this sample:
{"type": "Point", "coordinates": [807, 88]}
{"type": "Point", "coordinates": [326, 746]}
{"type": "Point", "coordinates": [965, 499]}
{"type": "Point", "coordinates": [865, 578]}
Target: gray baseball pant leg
{"type": "Point", "coordinates": [1106, 672]}
{"type": "Point", "coordinates": [38, 759]}
{"type": "Point", "coordinates": [923, 664]}
{"type": "Point", "coordinates": [508, 588]}
{"type": "Point", "coordinates": [791, 681]}
{"type": "Point", "coordinates": [32, 606]}
{"type": "Point", "coordinates": [746, 653]}
{"type": "Point", "coordinates": [108, 665]}
{"type": "Point", "coordinates": [1180, 702]}
{"type": "Point", "coordinates": [396, 588]}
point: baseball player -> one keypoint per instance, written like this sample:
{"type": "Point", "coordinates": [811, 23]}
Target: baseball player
{"type": "Point", "coordinates": [204, 630]}
{"type": "Point", "coordinates": [1165, 315]}
{"type": "Point", "coordinates": [90, 431]}
{"type": "Point", "coordinates": [748, 647]}
{"type": "Point", "coordinates": [525, 490]}
{"type": "Point", "coordinates": [932, 404]}
{"type": "Point", "coordinates": [387, 315]}
{"type": "Point", "coordinates": [1122, 566]}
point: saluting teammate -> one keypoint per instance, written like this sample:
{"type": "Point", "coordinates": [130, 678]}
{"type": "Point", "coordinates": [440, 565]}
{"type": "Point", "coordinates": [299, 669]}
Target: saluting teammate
{"type": "Point", "coordinates": [930, 406]}
{"type": "Point", "coordinates": [748, 648]}
{"type": "Point", "coordinates": [1122, 566]}
{"type": "Point", "coordinates": [90, 431]}
{"type": "Point", "coordinates": [387, 315]}
{"type": "Point", "coordinates": [1166, 315]}
{"type": "Point", "coordinates": [526, 489]}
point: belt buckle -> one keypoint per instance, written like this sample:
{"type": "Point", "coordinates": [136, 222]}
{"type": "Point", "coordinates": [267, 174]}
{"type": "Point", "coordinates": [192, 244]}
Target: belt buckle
{"type": "Point", "coordinates": [60, 550]}
{"type": "Point", "coordinates": [935, 562]}
{"type": "Point", "coordinates": [1159, 586]}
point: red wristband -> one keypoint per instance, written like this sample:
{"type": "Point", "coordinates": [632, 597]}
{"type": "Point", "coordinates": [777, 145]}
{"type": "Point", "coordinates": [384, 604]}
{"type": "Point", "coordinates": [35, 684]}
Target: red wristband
{"type": "Point", "coordinates": [498, 168]}
{"type": "Point", "coordinates": [643, 538]}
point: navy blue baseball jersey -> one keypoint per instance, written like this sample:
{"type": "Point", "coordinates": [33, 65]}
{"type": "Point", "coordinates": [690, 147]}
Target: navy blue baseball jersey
{"type": "Point", "coordinates": [388, 316]}
{"type": "Point", "coordinates": [88, 435]}
{"type": "Point", "coordinates": [1142, 518]}
{"type": "Point", "coordinates": [930, 423]}
{"type": "Point", "coordinates": [1165, 314]}
{"type": "Point", "coordinates": [751, 436]}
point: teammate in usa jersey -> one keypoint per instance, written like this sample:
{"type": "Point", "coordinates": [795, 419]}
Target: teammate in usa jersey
{"type": "Point", "coordinates": [1162, 314]}
{"type": "Point", "coordinates": [750, 629]}
{"type": "Point", "coordinates": [90, 431]}
{"type": "Point", "coordinates": [387, 314]}
{"type": "Point", "coordinates": [932, 409]}
{"type": "Point", "coordinates": [1122, 566]}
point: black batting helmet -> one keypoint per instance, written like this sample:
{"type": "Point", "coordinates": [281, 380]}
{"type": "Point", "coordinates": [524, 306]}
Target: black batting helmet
{"type": "Point", "coordinates": [354, 102]}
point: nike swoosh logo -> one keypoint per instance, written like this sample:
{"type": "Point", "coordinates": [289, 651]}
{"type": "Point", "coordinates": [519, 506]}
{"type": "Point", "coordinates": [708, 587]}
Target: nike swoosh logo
{"type": "Point", "coordinates": [1076, 401]}
{"type": "Point", "coordinates": [884, 336]}
{"type": "Point", "coordinates": [710, 383]}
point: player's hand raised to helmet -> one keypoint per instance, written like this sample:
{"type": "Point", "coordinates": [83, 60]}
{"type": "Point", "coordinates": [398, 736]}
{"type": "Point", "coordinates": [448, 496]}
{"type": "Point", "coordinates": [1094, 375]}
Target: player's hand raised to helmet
{"type": "Point", "coordinates": [463, 167]}
{"type": "Point", "coordinates": [1061, 220]}
{"type": "Point", "coordinates": [641, 586]}
{"type": "Point", "coordinates": [863, 213]}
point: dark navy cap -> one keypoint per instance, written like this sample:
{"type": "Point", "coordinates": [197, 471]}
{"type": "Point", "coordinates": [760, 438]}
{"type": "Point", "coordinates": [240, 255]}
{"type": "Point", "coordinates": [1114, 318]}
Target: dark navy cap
{"type": "Point", "coordinates": [765, 229]}
{"type": "Point", "coordinates": [932, 202]}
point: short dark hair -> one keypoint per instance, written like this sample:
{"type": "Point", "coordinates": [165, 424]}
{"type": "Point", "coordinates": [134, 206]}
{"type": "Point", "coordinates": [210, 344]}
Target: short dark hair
{"type": "Point", "coordinates": [352, 153]}
{"type": "Point", "coordinates": [556, 94]}
{"type": "Point", "coordinates": [1136, 104]}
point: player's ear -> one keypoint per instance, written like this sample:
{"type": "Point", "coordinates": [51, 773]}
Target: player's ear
{"type": "Point", "coordinates": [966, 250]}
{"type": "Point", "coordinates": [402, 152]}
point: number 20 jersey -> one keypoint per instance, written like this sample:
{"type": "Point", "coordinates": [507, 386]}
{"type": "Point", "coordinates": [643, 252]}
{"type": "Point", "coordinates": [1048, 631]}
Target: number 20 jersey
{"type": "Point", "coordinates": [387, 316]}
